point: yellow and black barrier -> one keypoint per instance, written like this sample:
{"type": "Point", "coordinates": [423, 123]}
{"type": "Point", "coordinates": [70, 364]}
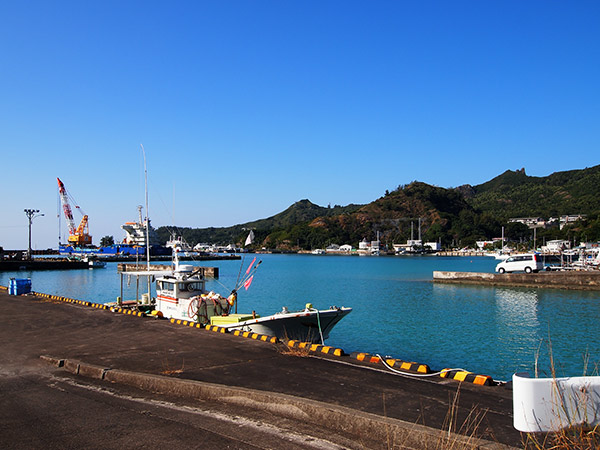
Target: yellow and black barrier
{"type": "Point", "coordinates": [470, 377]}
{"type": "Point", "coordinates": [98, 305]}
{"type": "Point", "coordinates": [216, 329]}
{"type": "Point", "coordinates": [316, 348]}
{"type": "Point", "coordinates": [258, 337]}
{"type": "Point", "coordinates": [392, 362]}
{"type": "Point", "coordinates": [128, 312]}
{"type": "Point", "coordinates": [4, 288]}
{"type": "Point", "coordinates": [70, 300]}
{"type": "Point", "coordinates": [186, 323]}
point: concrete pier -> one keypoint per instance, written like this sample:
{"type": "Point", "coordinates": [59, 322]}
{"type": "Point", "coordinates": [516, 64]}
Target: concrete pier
{"type": "Point", "coordinates": [12, 265]}
{"type": "Point", "coordinates": [327, 397]}
{"type": "Point", "coordinates": [583, 280]}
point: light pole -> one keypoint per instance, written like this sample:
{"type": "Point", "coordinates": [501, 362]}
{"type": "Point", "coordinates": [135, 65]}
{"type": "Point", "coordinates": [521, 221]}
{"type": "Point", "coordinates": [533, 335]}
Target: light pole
{"type": "Point", "coordinates": [31, 214]}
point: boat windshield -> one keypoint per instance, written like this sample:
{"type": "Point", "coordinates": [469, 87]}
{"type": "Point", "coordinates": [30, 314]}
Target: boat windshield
{"type": "Point", "coordinates": [194, 286]}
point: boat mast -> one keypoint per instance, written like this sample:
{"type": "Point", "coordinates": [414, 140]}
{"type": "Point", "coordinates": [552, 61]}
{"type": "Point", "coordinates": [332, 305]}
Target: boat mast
{"type": "Point", "coordinates": [147, 215]}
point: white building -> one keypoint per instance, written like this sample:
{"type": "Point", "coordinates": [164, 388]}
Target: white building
{"type": "Point", "coordinates": [556, 246]}
{"type": "Point", "coordinates": [364, 247]}
{"type": "Point", "coordinates": [531, 222]}
{"type": "Point", "coordinates": [566, 220]}
{"type": "Point", "coordinates": [435, 246]}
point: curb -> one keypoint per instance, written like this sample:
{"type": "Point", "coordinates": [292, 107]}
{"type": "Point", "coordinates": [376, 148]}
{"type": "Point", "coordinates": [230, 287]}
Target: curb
{"type": "Point", "coordinates": [463, 375]}
{"type": "Point", "coordinates": [316, 348]}
{"type": "Point", "coordinates": [69, 300]}
{"type": "Point", "coordinates": [395, 363]}
{"type": "Point", "coordinates": [187, 323]}
{"type": "Point", "coordinates": [216, 329]}
{"type": "Point", "coordinates": [370, 427]}
{"type": "Point", "coordinates": [128, 312]}
{"type": "Point", "coordinates": [258, 337]}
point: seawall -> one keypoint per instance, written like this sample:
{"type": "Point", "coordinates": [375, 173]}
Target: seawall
{"type": "Point", "coordinates": [551, 280]}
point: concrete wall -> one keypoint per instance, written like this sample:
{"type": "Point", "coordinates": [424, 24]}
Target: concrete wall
{"type": "Point", "coordinates": [558, 280]}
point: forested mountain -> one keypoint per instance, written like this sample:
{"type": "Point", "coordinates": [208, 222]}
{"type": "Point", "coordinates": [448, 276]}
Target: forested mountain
{"type": "Point", "coordinates": [515, 194]}
{"type": "Point", "coordinates": [455, 216]}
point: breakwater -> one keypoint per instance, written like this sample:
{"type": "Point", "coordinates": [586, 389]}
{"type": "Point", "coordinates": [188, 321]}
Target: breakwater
{"type": "Point", "coordinates": [41, 264]}
{"type": "Point", "coordinates": [554, 280]}
{"type": "Point", "coordinates": [212, 272]}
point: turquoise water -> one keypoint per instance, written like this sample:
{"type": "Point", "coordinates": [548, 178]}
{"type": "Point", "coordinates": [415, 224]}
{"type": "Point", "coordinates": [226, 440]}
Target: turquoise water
{"type": "Point", "coordinates": [398, 311]}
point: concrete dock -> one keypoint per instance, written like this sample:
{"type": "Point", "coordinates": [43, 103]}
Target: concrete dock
{"type": "Point", "coordinates": [326, 399]}
{"type": "Point", "coordinates": [582, 280]}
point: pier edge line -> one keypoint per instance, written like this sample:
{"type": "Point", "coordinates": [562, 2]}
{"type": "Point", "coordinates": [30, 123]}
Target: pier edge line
{"type": "Point", "coordinates": [470, 377]}
{"type": "Point", "coordinates": [317, 348]}
{"type": "Point", "coordinates": [216, 329]}
{"type": "Point", "coordinates": [405, 366]}
{"type": "Point", "coordinates": [186, 323]}
{"type": "Point", "coordinates": [256, 336]}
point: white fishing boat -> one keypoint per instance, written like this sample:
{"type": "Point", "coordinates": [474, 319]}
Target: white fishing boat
{"type": "Point", "coordinates": [181, 294]}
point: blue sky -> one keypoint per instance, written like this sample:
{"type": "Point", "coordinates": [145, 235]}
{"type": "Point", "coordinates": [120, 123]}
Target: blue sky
{"type": "Point", "coordinates": [245, 107]}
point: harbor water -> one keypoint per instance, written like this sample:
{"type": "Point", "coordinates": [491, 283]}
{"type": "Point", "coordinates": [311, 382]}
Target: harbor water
{"type": "Point", "coordinates": [397, 309]}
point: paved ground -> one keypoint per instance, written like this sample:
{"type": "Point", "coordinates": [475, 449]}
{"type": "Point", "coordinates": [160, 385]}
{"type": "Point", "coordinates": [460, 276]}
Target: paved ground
{"type": "Point", "coordinates": [41, 406]}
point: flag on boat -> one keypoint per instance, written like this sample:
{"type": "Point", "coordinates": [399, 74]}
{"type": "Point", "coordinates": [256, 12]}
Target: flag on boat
{"type": "Point", "coordinates": [250, 266]}
{"type": "Point", "coordinates": [250, 238]}
{"type": "Point", "coordinates": [248, 282]}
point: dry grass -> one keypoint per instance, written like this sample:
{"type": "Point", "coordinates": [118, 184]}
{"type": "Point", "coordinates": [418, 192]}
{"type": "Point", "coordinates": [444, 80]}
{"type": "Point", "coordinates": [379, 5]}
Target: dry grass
{"type": "Point", "coordinates": [284, 349]}
{"type": "Point", "coordinates": [168, 368]}
{"type": "Point", "coordinates": [452, 436]}
{"type": "Point", "coordinates": [465, 436]}
{"type": "Point", "coordinates": [571, 438]}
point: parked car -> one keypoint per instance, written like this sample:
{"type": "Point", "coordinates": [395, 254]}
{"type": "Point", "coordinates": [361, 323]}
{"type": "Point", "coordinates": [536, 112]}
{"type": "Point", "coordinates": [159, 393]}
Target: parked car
{"type": "Point", "coordinates": [531, 262]}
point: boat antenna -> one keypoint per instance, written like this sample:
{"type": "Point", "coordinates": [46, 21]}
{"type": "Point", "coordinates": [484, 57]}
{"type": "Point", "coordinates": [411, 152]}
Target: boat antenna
{"type": "Point", "coordinates": [240, 271]}
{"type": "Point", "coordinates": [250, 274]}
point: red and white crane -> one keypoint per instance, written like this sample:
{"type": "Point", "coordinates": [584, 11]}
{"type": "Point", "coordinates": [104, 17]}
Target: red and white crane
{"type": "Point", "coordinates": [79, 235]}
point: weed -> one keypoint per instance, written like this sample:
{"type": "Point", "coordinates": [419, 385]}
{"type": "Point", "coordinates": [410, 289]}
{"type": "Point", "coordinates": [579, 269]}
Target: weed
{"type": "Point", "coordinates": [463, 437]}
{"type": "Point", "coordinates": [572, 437]}
{"type": "Point", "coordinates": [168, 368]}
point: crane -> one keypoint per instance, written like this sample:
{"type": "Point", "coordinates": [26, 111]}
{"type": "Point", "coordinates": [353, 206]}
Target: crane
{"type": "Point", "coordinates": [79, 235]}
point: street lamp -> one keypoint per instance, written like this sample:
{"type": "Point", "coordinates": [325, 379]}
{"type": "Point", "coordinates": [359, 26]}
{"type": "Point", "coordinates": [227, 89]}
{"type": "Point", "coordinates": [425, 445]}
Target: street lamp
{"type": "Point", "coordinates": [31, 214]}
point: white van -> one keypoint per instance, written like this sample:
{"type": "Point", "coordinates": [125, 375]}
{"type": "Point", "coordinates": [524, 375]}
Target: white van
{"type": "Point", "coordinates": [531, 262]}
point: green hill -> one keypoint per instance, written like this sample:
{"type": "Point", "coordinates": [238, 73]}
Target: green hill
{"type": "Point", "coordinates": [514, 194]}
{"type": "Point", "coordinates": [456, 216]}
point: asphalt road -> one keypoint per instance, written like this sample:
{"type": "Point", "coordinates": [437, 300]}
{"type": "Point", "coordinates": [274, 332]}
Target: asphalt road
{"type": "Point", "coordinates": [50, 411]}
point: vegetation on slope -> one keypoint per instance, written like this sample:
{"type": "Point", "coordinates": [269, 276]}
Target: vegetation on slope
{"type": "Point", "coordinates": [454, 217]}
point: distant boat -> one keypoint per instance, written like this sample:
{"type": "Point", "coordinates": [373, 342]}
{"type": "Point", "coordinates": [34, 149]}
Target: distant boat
{"type": "Point", "coordinates": [94, 262]}
{"type": "Point", "coordinates": [179, 245]}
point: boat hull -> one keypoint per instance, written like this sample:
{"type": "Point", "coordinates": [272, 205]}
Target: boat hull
{"type": "Point", "coordinates": [302, 325]}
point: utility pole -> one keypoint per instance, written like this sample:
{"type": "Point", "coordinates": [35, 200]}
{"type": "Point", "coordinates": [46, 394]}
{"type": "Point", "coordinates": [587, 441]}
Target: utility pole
{"type": "Point", "coordinates": [31, 214]}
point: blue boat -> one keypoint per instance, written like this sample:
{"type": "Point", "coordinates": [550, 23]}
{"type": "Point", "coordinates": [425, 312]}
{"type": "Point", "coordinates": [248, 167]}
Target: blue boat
{"type": "Point", "coordinates": [114, 250]}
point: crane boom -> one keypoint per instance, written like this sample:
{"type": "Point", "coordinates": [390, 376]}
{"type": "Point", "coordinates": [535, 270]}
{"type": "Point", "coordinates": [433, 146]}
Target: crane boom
{"type": "Point", "coordinates": [79, 235]}
{"type": "Point", "coordinates": [66, 206]}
